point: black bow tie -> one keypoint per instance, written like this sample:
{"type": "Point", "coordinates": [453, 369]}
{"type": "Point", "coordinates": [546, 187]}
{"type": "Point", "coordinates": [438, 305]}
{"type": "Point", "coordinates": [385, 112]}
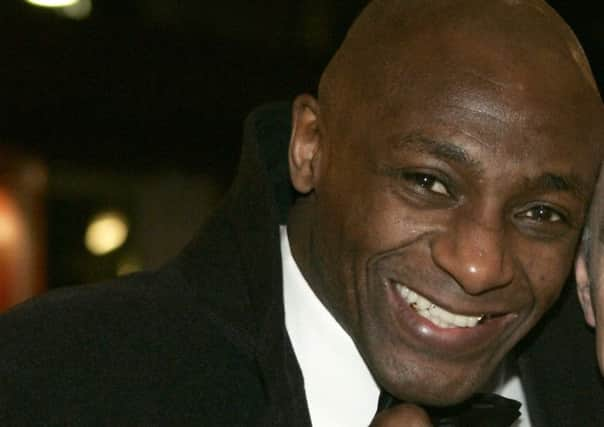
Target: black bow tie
{"type": "Point", "coordinates": [479, 411]}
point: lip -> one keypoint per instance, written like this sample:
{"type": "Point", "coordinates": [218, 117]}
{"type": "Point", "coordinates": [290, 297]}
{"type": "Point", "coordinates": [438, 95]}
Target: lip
{"type": "Point", "coordinates": [451, 342]}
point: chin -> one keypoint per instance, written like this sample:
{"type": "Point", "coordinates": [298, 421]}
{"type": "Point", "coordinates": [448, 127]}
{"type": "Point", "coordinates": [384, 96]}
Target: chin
{"type": "Point", "coordinates": [418, 376]}
{"type": "Point", "coordinates": [432, 387]}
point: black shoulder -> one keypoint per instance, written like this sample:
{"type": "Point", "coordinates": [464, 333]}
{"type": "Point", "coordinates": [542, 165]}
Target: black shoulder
{"type": "Point", "coordinates": [134, 350]}
{"type": "Point", "coordinates": [66, 310]}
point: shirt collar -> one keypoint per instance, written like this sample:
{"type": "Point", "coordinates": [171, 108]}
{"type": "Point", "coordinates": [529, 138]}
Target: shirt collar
{"type": "Point", "coordinates": [340, 390]}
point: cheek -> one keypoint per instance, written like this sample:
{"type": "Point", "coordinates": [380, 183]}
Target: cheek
{"type": "Point", "coordinates": [598, 301]}
{"type": "Point", "coordinates": [381, 222]}
{"type": "Point", "coordinates": [547, 273]}
{"type": "Point", "coordinates": [597, 266]}
{"type": "Point", "coordinates": [597, 284]}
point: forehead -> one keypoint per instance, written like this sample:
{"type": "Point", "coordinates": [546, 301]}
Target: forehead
{"type": "Point", "coordinates": [489, 71]}
{"type": "Point", "coordinates": [481, 89]}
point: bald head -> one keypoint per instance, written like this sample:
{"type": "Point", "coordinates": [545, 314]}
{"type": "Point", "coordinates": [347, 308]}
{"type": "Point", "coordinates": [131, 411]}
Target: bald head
{"type": "Point", "coordinates": [512, 39]}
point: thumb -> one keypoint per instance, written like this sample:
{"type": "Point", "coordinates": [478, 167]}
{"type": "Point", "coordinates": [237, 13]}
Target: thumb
{"type": "Point", "coordinates": [403, 415]}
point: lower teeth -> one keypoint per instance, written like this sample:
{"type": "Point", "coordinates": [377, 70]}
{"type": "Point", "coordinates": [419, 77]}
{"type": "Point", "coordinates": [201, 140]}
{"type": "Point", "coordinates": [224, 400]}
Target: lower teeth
{"type": "Point", "coordinates": [436, 314]}
{"type": "Point", "coordinates": [444, 323]}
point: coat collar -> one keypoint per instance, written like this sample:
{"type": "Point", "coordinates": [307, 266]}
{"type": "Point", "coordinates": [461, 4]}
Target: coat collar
{"type": "Point", "coordinates": [559, 369]}
{"type": "Point", "coordinates": [241, 282]}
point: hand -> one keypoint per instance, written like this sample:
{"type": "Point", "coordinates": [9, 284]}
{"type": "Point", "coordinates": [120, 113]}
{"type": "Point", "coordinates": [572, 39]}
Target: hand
{"type": "Point", "coordinates": [403, 415]}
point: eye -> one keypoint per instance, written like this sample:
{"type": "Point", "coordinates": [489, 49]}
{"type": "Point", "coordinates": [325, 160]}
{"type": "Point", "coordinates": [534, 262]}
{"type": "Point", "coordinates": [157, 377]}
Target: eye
{"type": "Point", "coordinates": [543, 214]}
{"type": "Point", "coordinates": [427, 182]}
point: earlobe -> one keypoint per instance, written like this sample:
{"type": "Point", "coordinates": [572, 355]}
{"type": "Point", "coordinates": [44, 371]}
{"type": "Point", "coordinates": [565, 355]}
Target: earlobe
{"type": "Point", "coordinates": [584, 290]}
{"type": "Point", "coordinates": [304, 146]}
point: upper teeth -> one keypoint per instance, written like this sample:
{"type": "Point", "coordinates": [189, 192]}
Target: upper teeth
{"type": "Point", "coordinates": [435, 314]}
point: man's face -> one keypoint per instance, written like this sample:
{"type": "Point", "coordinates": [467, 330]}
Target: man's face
{"type": "Point", "coordinates": [590, 272]}
{"type": "Point", "coordinates": [446, 214]}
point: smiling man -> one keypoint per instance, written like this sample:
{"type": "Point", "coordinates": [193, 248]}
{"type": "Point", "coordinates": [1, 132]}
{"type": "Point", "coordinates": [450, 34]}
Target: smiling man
{"type": "Point", "coordinates": [449, 145]}
{"type": "Point", "coordinates": [443, 175]}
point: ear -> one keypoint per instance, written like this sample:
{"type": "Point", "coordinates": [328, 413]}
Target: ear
{"type": "Point", "coordinates": [584, 289]}
{"type": "Point", "coordinates": [305, 143]}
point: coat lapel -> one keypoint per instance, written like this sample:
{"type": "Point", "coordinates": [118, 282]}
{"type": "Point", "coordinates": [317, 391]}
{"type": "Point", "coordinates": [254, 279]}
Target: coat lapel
{"type": "Point", "coordinates": [559, 370]}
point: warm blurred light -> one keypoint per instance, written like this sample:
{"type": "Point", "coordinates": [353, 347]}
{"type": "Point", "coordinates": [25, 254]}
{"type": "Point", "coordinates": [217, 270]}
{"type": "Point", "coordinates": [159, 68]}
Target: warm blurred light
{"type": "Point", "coordinates": [106, 232]}
{"type": "Point", "coordinates": [11, 225]}
{"type": "Point", "coordinates": [78, 10]}
{"type": "Point", "coordinates": [8, 228]}
{"type": "Point", "coordinates": [129, 265]}
{"type": "Point", "coordinates": [52, 3]}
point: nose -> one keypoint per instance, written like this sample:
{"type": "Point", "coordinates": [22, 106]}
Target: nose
{"type": "Point", "coordinates": [475, 255]}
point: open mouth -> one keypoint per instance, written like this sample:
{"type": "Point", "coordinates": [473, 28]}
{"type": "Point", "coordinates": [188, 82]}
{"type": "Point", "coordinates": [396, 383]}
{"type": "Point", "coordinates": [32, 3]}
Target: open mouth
{"type": "Point", "coordinates": [436, 314]}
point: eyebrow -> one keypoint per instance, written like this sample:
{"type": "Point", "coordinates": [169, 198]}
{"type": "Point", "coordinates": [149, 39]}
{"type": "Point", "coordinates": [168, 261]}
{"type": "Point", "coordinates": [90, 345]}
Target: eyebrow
{"type": "Point", "coordinates": [545, 183]}
{"type": "Point", "coordinates": [551, 182]}
{"type": "Point", "coordinates": [439, 149]}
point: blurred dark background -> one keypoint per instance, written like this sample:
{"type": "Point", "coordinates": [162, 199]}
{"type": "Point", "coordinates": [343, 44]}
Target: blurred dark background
{"type": "Point", "coordinates": [136, 106]}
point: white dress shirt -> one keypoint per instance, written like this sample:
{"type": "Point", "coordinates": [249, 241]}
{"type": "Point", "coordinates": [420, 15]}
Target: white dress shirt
{"type": "Point", "coordinates": [340, 390]}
